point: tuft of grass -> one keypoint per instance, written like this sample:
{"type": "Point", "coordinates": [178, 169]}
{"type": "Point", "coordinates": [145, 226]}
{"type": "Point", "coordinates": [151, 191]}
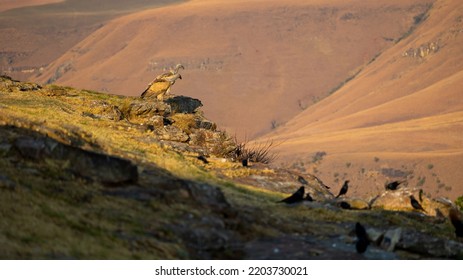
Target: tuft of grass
{"type": "Point", "coordinates": [459, 203]}
{"type": "Point", "coordinates": [186, 122]}
{"type": "Point", "coordinates": [260, 152]}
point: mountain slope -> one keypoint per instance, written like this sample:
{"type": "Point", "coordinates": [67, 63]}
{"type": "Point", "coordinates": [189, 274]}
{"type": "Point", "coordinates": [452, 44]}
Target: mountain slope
{"type": "Point", "coordinates": [402, 112]}
{"type": "Point", "coordinates": [88, 175]}
{"type": "Point", "coordinates": [274, 58]}
{"type": "Point", "coordinates": [37, 32]}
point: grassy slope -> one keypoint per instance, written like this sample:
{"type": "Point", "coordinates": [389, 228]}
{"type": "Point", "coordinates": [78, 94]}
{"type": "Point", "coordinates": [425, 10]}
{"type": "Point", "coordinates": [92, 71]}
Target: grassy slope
{"type": "Point", "coordinates": [50, 213]}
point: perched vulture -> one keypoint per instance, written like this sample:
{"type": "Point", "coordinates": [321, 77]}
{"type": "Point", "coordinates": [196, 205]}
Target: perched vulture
{"type": "Point", "coordinates": [161, 85]}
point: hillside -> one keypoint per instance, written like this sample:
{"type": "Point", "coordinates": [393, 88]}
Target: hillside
{"type": "Point", "coordinates": [88, 175]}
{"type": "Point", "coordinates": [34, 33]}
{"type": "Point", "coordinates": [268, 59]}
{"type": "Point", "coordinates": [14, 4]}
{"type": "Point", "coordinates": [401, 117]}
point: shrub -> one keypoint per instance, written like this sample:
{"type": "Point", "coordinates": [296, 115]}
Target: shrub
{"type": "Point", "coordinates": [421, 181]}
{"type": "Point", "coordinates": [260, 152]}
{"type": "Point", "coordinates": [318, 156]}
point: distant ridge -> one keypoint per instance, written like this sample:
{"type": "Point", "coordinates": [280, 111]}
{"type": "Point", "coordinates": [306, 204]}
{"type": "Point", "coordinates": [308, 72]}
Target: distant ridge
{"type": "Point", "coordinates": [401, 117]}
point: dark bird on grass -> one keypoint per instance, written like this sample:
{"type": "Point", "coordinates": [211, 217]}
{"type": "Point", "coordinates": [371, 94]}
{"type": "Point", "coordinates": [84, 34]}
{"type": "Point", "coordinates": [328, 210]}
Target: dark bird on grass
{"type": "Point", "coordinates": [344, 188]}
{"type": "Point", "coordinates": [308, 197]}
{"type": "Point", "coordinates": [457, 221]}
{"type": "Point", "coordinates": [362, 238]}
{"type": "Point", "coordinates": [302, 180]}
{"type": "Point", "coordinates": [298, 196]}
{"type": "Point", "coordinates": [344, 205]}
{"type": "Point", "coordinates": [203, 159]}
{"type": "Point", "coordinates": [245, 162]}
{"type": "Point", "coordinates": [392, 186]}
{"type": "Point", "coordinates": [415, 204]}
{"type": "Point", "coordinates": [162, 84]}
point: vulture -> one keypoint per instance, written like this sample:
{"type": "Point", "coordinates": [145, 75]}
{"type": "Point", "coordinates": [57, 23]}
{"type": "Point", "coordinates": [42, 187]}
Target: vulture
{"type": "Point", "coordinates": [161, 85]}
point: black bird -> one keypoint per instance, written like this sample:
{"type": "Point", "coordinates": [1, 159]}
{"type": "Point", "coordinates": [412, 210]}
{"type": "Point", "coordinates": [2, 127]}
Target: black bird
{"type": "Point", "coordinates": [362, 238]}
{"type": "Point", "coordinates": [420, 196]}
{"type": "Point", "coordinates": [298, 196]}
{"type": "Point", "coordinates": [203, 159]}
{"type": "Point", "coordinates": [308, 197]}
{"type": "Point", "coordinates": [415, 204]}
{"type": "Point", "coordinates": [344, 189]}
{"type": "Point", "coordinates": [302, 180]}
{"type": "Point", "coordinates": [457, 222]}
{"type": "Point", "coordinates": [344, 205]}
{"type": "Point", "coordinates": [393, 185]}
{"type": "Point", "coordinates": [244, 162]}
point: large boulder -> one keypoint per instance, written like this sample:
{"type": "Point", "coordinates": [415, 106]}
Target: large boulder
{"type": "Point", "coordinates": [183, 104]}
{"type": "Point", "coordinates": [399, 200]}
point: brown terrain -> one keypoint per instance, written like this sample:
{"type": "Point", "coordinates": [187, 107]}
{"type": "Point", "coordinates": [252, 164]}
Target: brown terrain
{"type": "Point", "coordinates": [12, 4]}
{"type": "Point", "coordinates": [267, 59]}
{"type": "Point", "coordinates": [371, 84]}
{"type": "Point", "coordinates": [400, 118]}
{"type": "Point", "coordinates": [34, 33]}
{"type": "Point", "coordinates": [357, 91]}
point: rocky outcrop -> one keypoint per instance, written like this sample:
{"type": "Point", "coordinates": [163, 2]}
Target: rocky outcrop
{"type": "Point", "coordinates": [422, 51]}
{"type": "Point", "coordinates": [399, 200]}
{"type": "Point", "coordinates": [179, 120]}
{"type": "Point", "coordinates": [32, 146]}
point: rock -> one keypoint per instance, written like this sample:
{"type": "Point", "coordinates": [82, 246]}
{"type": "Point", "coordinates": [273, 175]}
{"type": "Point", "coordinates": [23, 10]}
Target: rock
{"type": "Point", "coordinates": [29, 87]}
{"type": "Point", "coordinates": [390, 239]}
{"type": "Point", "coordinates": [33, 148]}
{"type": "Point", "coordinates": [139, 110]}
{"type": "Point", "coordinates": [172, 133]}
{"type": "Point", "coordinates": [374, 235]}
{"type": "Point", "coordinates": [156, 121]}
{"type": "Point", "coordinates": [289, 247]}
{"type": "Point", "coordinates": [399, 200]}
{"type": "Point", "coordinates": [422, 51]}
{"type": "Point", "coordinates": [183, 104]}
{"type": "Point", "coordinates": [104, 168]}
{"type": "Point", "coordinates": [428, 245]}
{"type": "Point", "coordinates": [206, 124]}
{"type": "Point", "coordinates": [8, 84]}
{"type": "Point", "coordinates": [208, 195]}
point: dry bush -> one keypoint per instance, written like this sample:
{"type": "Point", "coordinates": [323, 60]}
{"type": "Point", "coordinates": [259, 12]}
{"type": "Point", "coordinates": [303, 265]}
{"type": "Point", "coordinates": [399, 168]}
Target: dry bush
{"type": "Point", "coordinates": [260, 152]}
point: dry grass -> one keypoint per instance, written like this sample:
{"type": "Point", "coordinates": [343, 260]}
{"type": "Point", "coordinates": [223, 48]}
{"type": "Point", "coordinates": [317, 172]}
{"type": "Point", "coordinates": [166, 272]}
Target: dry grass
{"type": "Point", "coordinates": [256, 152]}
